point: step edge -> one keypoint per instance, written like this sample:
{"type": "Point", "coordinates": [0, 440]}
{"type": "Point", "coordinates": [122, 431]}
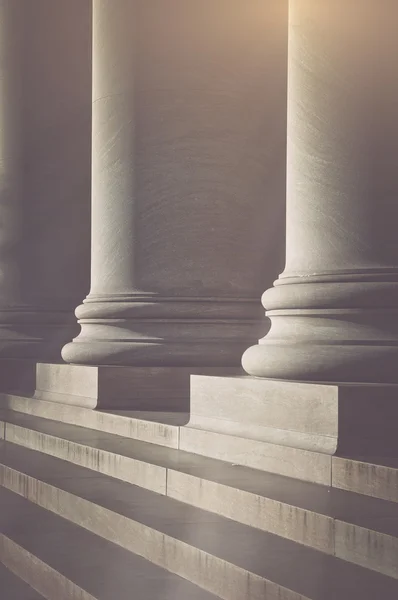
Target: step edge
{"type": "Point", "coordinates": [199, 557]}
{"type": "Point", "coordinates": [9, 548]}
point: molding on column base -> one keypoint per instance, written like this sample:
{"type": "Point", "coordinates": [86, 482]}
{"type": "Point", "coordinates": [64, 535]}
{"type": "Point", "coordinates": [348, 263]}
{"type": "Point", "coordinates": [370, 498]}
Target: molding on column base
{"type": "Point", "coordinates": [154, 306]}
{"type": "Point", "coordinates": [366, 363]}
{"type": "Point", "coordinates": [342, 419]}
{"type": "Point", "coordinates": [118, 388]}
{"type": "Point", "coordinates": [165, 332]}
{"type": "Point", "coordinates": [194, 353]}
{"type": "Point", "coordinates": [330, 328]}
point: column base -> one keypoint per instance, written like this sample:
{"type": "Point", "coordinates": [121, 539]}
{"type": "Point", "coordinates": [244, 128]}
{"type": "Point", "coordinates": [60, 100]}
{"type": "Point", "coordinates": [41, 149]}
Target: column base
{"type": "Point", "coordinates": [323, 362]}
{"type": "Point", "coordinates": [118, 388]}
{"type": "Point", "coordinates": [340, 327]}
{"type": "Point", "coordinates": [192, 354]}
{"type": "Point", "coordinates": [164, 332]}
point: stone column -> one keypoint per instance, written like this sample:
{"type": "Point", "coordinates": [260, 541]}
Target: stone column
{"type": "Point", "coordinates": [334, 309]}
{"type": "Point", "coordinates": [45, 123]}
{"type": "Point", "coordinates": [188, 170]}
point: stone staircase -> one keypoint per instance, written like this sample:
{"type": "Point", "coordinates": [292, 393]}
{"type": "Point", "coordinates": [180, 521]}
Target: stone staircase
{"type": "Point", "coordinates": [120, 509]}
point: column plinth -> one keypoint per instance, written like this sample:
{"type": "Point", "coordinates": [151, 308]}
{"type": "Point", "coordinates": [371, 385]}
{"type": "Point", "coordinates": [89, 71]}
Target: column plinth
{"type": "Point", "coordinates": [334, 309]}
{"type": "Point", "coordinates": [185, 158]}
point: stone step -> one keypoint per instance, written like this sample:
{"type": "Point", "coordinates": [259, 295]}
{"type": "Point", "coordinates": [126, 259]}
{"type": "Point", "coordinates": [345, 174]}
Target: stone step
{"type": "Point", "coordinates": [374, 476]}
{"type": "Point", "coordinates": [300, 511]}
{"type": "Point", "coordinates": [154, 427]}
{"type": "Point", "coordinates": [208, 549]}
{"type": "Point", "coordinates": [168, 429]}
{"type": "Point", "coordinates": [14, 588]}
{"type": "Point", "coordinates": [172, 432]}
{"type": "Point", "coordinates": [369, 475]}
{"type": "Point", "coordinates": [67, 562]}
{"type": "Point", "coordinates": [305, 465]}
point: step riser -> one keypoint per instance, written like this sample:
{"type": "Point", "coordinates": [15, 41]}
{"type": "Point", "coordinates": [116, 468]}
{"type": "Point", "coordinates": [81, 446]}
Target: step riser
{"type": "Point", "coordinates": [370, 549]}
{"type": "Point", "coordinates": [15, 588]}
{"type": "Point", "coordinates": [377, 481]}
{"type": "Point", "coordinates": [146, 475]}
{"type": "Point", "coordinates": [354, 544]}
{"type": "Point", "coordinates": [145, 431]}
{"type": "Point", "coordinates": [368, 479]}
{"type": "Point", "coordinates": [281, 460]}
{"type": "Point", "coordinates": [211, 573]}
{"type": "Point", "coordinates": [298, 525]}
{"type": "Point", "coordinates": [364, 478]}
{"type": "Point", "coordinates": [302, 526]}
{"type": "Point", "coordinates": [45, 580]}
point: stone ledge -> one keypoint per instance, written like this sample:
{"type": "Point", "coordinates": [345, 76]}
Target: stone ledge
{"type": "Point", "coordinates": [326, 418]}
{"type": "Point", "coordinates": [110, 387]}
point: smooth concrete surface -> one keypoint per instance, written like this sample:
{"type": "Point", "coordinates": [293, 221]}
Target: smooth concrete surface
{"type": "Point", "coordinates": [334, 309]}
{"type": "Point", "coordinates": [328, 418]}
{"type": "Point", "coordinates": [67, 562]}
{"type": "Point", "coordinates": [224, 557]}
{"type": "Point", "coordinates": [109, 387]}
{"type": "Point", "coordinates": [45, 97]}
{"type": "Point", "coordinates": [13, 588]}
{"type": "Point", "coordinates": [286, 413]}
{"type": "Point", "coordinates": [188, 179]}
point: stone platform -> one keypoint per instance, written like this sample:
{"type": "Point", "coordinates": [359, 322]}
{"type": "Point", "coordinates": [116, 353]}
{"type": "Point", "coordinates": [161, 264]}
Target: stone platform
{"type": "Point", "coordinates": [136, 508]}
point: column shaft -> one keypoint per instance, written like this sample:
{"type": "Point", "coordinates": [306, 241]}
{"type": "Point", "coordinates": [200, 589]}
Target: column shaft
{"type": "Point", "coordinates": [188, 153]}
{"type": "Point", "coordinates": [334, 309]}
{"type": "Point", "coordinates": [45, 106]}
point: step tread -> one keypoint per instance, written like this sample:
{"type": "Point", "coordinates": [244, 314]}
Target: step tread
{"type": "Point", "coordinates": [381, 461]}
{"type": "Point", "coordinates": [175, 419]}
{"type": "Point", "coordinates": [313, 574]}
{"type": "Point", "coordinates": [365, 511]}
{"type": "Point", "coordinates": [14, 588]}
{"type": "Point", "coordinates": [98, 566]}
